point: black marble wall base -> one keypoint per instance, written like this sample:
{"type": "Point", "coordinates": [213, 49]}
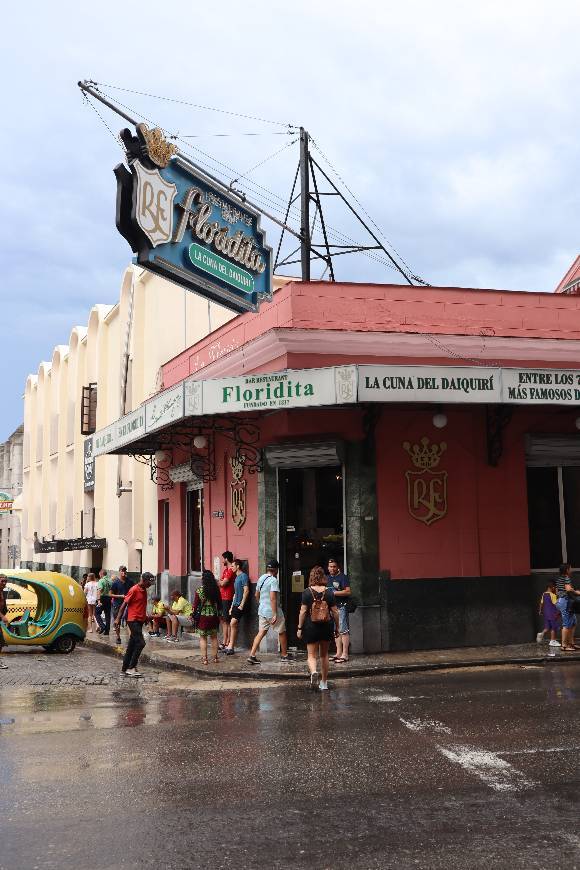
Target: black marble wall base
{"type": "Point", "coordinates": [456, 612]}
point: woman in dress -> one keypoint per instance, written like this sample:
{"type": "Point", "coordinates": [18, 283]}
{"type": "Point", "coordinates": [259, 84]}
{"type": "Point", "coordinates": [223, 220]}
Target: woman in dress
{"type": "Point", "coordinates": [317, 632]}
{"type": "Point", "coordinates": [207, 603]}
{"type": "Point", "coordinates": [91, 590]}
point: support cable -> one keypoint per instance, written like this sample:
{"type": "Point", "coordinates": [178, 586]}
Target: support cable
{"type": "Point", "coordinates": [365, 212]}
{"type": "Point", "coordinates": [193, 105]}
{"type": "Point", "coordinates": [265, 160]}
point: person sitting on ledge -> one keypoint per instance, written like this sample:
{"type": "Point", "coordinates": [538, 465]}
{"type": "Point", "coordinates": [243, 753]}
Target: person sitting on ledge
{"type": "Point", "coordinates": [157, 617]}
{"type": "Point", "coordinates": [178, 614]}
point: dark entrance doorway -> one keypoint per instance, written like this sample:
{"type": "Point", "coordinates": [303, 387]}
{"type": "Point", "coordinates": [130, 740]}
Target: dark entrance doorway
{"type": "Point", "coordinates": [311, 530]}
{"type": "Point", "coordinates": [194, 531]}
{"type": "Point", "coordinates": [96, 559]}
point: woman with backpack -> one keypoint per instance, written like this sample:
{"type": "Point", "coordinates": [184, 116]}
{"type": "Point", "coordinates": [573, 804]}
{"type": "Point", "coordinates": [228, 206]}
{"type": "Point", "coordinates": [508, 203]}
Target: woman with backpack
{"type": "Point", "coordinates": [317, 624]}
{"type": "Point", "coordinates": [207, 606]}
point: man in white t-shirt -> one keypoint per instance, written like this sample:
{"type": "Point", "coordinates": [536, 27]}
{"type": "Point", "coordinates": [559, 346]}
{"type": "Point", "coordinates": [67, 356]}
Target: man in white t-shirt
{"type": "Point", "coordinates": [270, 613]}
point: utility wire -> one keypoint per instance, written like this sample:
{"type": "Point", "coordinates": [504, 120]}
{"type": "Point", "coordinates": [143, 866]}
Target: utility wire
{"type": "Point", "coordinates": [195, 105]}
{"type": "Point", "coordinates": [90, 103]}
{"type": "Point", "coordinates": [194, 148]}
{"type": "Point", "coordinates": [266, 159]}
{"type": "Point", "coordinates": [225, 135]}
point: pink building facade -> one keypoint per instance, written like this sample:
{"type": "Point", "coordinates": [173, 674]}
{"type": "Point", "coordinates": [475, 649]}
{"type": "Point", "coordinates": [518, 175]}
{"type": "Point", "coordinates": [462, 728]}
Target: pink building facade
{"type": "Point", "coordinates": [426, 437]}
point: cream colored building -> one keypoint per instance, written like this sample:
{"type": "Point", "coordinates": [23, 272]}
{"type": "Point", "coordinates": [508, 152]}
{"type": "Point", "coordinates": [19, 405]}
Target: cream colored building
{"type": "Point", "coordinates": [10, 485]}
{"type": "Point", "coordinates": [116, 358]}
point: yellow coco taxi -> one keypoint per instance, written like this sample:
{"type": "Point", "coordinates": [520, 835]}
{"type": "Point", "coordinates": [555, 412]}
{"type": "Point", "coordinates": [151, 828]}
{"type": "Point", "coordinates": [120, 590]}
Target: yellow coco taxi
{"type": "Point", "coordinates": [45, 609]}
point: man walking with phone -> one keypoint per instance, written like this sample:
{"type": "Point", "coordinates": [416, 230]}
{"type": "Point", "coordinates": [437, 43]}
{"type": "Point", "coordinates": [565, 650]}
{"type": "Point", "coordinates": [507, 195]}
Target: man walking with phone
{"type": "Point", "coordinates": [135, 606]}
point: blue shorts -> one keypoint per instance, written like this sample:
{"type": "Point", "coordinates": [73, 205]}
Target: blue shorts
{"type": "Point", "coordinates": [343, 626]}
{"type": "Point", "coordinates": [568, 617]}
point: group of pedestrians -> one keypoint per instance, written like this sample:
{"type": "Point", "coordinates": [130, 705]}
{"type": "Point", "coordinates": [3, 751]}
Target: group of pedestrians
{"type": "Point", "coordinates": [105, 595]}
{"type": "Point", "coordinates": [558, 606]}
{"type": "Point", "coordinates": [222, 603]}
{"type": "Point", "coordinates": [323, 616]}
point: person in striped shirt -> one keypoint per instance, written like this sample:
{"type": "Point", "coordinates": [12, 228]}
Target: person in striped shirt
{"type": "Point", "coordinates": [566, 596]}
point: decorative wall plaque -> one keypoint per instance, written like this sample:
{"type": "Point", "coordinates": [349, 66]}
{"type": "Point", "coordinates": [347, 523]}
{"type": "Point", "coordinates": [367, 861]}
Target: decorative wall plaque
{"type": "Point", "coordinates": [426, 489]}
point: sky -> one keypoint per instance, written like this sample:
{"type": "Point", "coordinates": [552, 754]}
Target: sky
{"type": "Point", "coordinates": [455, 125]}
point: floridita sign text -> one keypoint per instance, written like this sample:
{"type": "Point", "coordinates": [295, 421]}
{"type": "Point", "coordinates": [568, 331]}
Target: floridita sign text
{"type": "Point", "coordinates": [288, 389]}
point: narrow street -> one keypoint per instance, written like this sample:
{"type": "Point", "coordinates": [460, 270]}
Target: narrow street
{"type": "Point", "coordinates": [470, 769]}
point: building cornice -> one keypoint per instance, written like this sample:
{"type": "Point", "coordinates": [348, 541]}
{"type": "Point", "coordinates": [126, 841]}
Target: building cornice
{"type": "Point", "coordinates": [411, 347]}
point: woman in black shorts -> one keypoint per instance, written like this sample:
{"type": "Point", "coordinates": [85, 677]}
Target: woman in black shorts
{"type": "Point", "coordinates": [316, 632]}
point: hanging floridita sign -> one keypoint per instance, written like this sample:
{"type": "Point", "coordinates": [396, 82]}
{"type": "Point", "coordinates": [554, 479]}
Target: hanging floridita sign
{"type": "Point", "coordinates": [188, 229]}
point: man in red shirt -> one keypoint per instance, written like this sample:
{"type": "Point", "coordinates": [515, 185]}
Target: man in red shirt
{"type": "Point", "coordinates": [226, 585]}
{"type": "Point", "coordinates": [135, 605]}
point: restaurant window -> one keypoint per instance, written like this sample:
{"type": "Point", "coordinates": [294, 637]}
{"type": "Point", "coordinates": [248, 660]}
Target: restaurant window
{"type": "Point", "coordinates": [165, 534]}
{"type": "Point", "coordinates": [89, 410]}
{"type": "Point", "coordinates": [554, 515]}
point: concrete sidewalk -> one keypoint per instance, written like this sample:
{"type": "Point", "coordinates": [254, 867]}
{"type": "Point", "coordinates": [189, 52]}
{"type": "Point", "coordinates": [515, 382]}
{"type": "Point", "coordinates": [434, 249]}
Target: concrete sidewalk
{"type": "Point", "coordinates": [185, 656]}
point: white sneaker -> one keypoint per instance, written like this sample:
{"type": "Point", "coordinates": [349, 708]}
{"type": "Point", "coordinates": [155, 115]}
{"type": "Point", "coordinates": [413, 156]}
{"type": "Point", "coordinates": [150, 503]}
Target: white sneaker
{"type": "Point", "coordinates": [555, 643]}
{"type": "Point", "coordinates": [134, 673]}
{"type": "Point", "coordinates": [130, 672]}
{"type": "Point", "coordinates": [323, 687]}
{"type": "Point", "coordinates": [540, 637]}
{"type": "Point", "coordinates": [3, 667]}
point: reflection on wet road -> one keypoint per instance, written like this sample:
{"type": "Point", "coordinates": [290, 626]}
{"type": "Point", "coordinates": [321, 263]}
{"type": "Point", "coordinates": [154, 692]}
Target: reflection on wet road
{"type": "Point", "coordinates": [167, 702]}
{"type": "Point", "coordinates": [462, 769]}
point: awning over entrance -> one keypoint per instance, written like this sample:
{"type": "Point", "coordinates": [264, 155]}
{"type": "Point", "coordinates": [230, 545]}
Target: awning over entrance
{"type": "Point", "coordinates": [194, 406]}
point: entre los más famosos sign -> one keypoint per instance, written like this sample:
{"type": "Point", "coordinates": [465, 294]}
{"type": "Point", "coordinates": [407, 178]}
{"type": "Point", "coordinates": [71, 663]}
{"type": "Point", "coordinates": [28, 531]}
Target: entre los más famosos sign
{"type": "Point", "coordinates": [186, 228]}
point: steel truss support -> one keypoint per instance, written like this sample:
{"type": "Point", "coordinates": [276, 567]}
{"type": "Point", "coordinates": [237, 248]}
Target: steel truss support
{"type": "Point", "coordinates": [308, 169]}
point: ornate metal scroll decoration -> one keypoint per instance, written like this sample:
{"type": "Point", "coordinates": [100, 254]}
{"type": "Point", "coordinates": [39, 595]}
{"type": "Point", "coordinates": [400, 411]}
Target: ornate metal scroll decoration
{"type": "Point", "coordinates": [238, 487]}
{"type": "Point", "coordinates": [246, 436]}
{"type": "Point", "coordinates": [159, 472]}
{"type": "Point", "coordinates": [497, 418]}
{"type": "Point", "coordinates": [243, 432]}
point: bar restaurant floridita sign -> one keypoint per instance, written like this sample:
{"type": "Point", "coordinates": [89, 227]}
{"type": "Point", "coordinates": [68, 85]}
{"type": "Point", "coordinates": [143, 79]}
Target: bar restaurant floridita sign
{"type": "Point", "coordinates": [287, 389]}
{"type": "Point", "coordinates": [187, 228]}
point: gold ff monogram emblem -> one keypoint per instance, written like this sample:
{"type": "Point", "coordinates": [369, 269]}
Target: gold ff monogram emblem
{"type": "Point", "coordinates": [238, 486]}
{"type": "Point", "coordinates": [426, 489]}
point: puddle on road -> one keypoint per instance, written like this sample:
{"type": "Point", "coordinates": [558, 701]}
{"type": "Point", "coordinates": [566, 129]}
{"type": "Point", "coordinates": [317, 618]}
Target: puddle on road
{"type": "Point", "coordinates": [127, 705]}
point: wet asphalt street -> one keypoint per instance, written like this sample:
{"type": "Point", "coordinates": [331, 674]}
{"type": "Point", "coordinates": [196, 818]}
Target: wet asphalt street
{"type": "Point", "coordinates": [464, 769]}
